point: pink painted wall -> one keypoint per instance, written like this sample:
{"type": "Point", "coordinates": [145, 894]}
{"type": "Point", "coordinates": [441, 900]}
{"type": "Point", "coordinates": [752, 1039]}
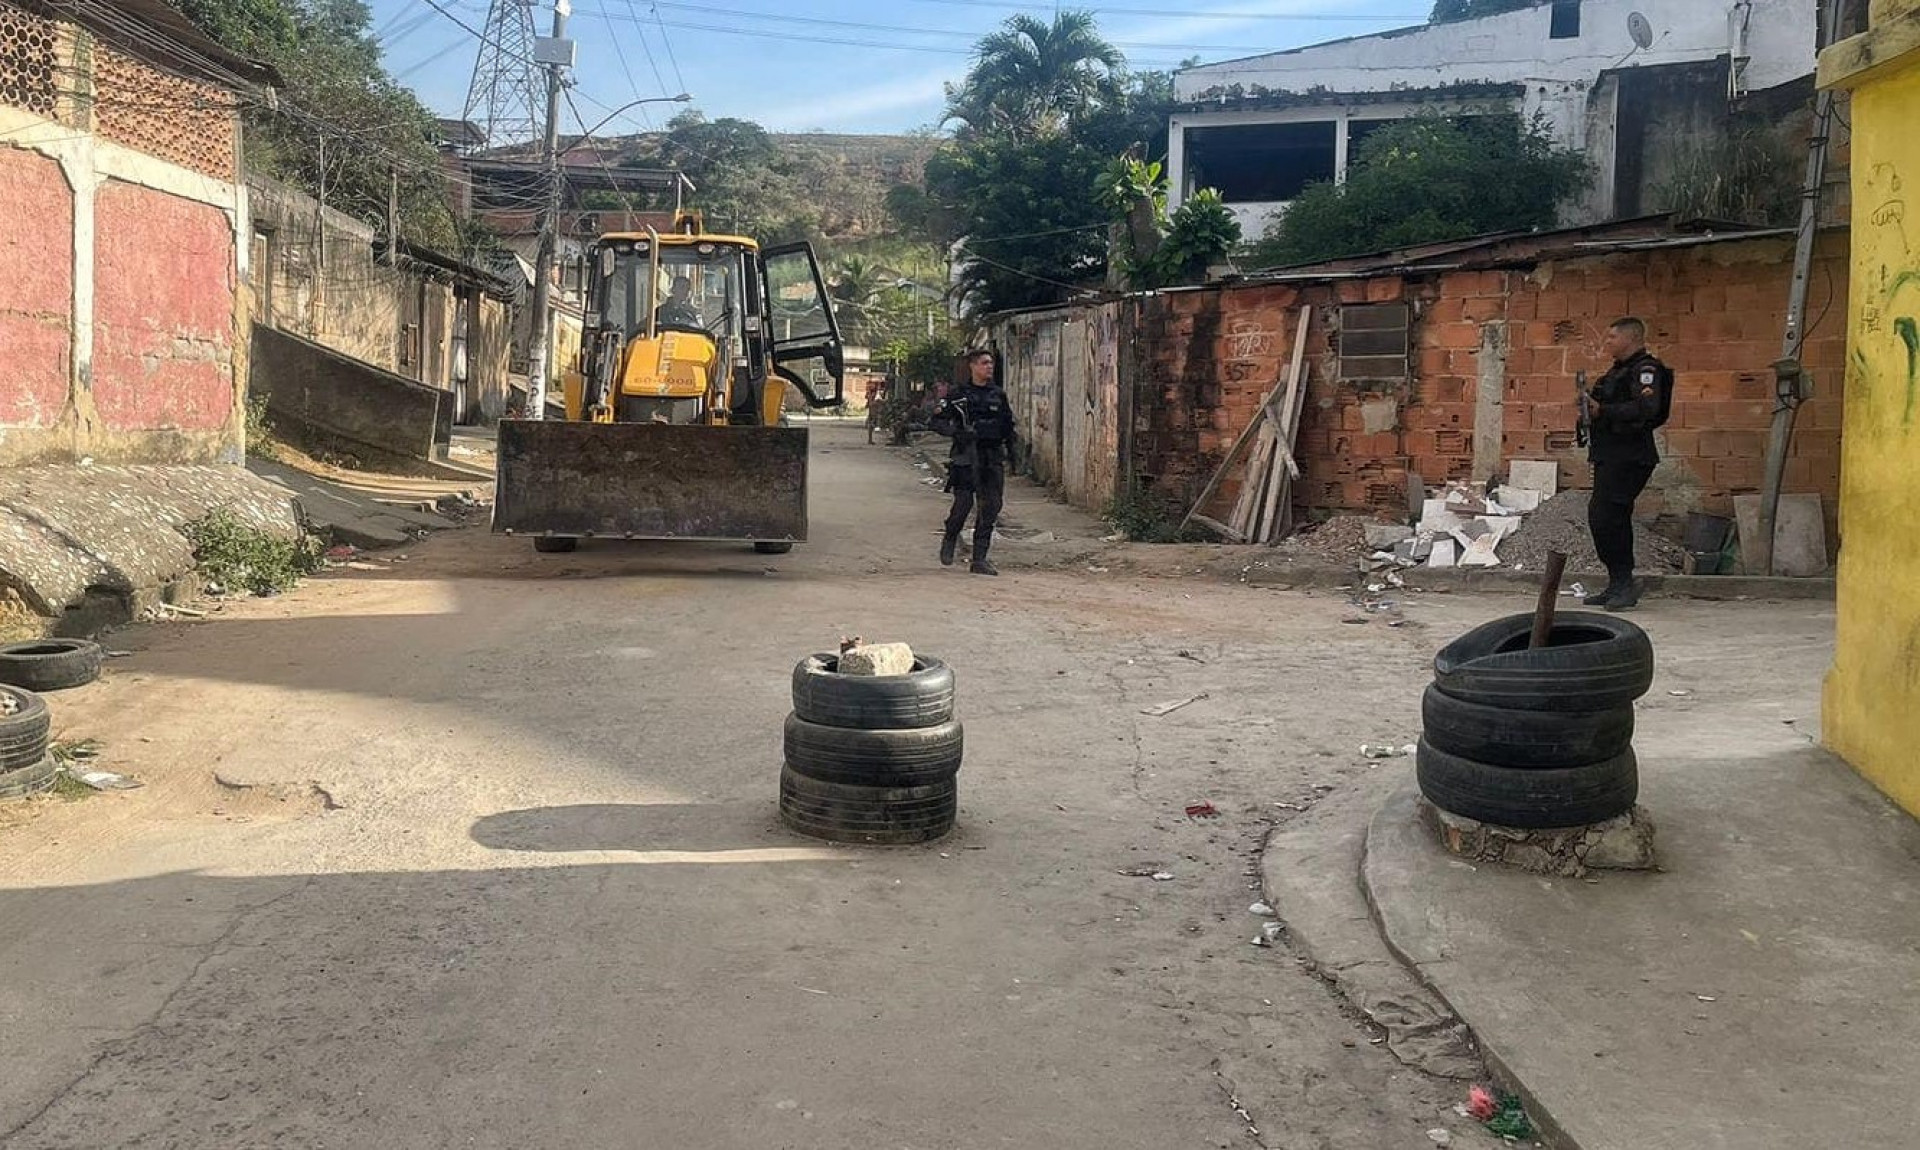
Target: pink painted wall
{"type": "Point", "coordinates": [36, 290]}
{"type": "Point", "coordinates": [163, 311]}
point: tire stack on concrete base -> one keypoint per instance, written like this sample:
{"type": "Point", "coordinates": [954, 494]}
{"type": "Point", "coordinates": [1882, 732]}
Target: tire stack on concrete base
{"type": "Point", "coordinates": [871, 758]}
{"type": "Point", "coordinates": [1536, 739]}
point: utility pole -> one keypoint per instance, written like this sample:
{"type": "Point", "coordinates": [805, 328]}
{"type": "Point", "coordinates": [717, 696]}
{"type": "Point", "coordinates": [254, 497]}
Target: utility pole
{"type": "Point", "coordinates": [1791, 386]}
{"type": "Point", "coordinates": [555, 55]}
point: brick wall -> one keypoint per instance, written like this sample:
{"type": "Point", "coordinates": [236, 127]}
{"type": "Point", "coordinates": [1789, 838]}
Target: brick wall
{"type": "Point", "coordinates": [36, 292]}
{"type": "Point", "coordinates": [182, 121]}
{"type": "Point", "coordinates": [1492, 375]}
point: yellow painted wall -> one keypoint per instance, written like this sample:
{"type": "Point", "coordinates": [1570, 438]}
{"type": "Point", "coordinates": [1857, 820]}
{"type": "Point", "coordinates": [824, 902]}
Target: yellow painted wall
{"type": "Point", "coordinates": [1872, 705]}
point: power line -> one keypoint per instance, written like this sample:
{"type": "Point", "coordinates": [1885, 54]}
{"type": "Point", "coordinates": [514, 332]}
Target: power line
{"type": "Point", "coordinates": [632, 84]}
{"type": "Point", "coordinates": [668, 45]}
{"type": "Point", "coordinates": [1109, 10]}
{"type": "Point", "coordinates": [868, 26]}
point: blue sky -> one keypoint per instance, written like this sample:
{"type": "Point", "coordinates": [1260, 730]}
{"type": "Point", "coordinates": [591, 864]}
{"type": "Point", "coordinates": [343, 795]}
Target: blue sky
{"type": "Point", "coordinates": [863, 65]}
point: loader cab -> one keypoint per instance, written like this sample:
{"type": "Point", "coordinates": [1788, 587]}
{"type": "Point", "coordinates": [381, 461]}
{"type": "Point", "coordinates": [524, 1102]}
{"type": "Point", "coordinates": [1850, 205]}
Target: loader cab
{"type": "Point", "coordinates": [692, 328]}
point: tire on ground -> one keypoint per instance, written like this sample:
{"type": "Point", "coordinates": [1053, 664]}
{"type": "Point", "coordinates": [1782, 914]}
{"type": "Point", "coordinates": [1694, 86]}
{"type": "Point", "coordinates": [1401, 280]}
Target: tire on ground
{"type": "Point", "coordinates": [1527, 740]}
{"type": "Point", "coordinates": [921, 698]}
{"type": "Point", "coordinates": [876, 815]}
{"type": "Point", "coordinates": [50, 664]}
{"type": "Point", "coordinates": [554, 544]}
{"type": "Point", "coordinates": [1529, 800]}
{"type": "Point", "coordinates": [20, 782]}
{"type": "Point", "coordinates": [23, 734]}
{"type": "Point", "coordinates": [911, 757]}
{"type": "Point", "coordinates": [1592, 662]}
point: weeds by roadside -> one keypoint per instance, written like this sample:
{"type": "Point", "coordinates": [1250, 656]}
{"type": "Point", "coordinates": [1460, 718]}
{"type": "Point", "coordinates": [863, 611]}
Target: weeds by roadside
{"type": "Point", "coordinates": [260, 439]}
{"type": "Point", "coordinates": [233, 555]}
{"type": "Point", "coordinates": [1146, 516]}
{"type": "Point", "coordinates": [70, 757]}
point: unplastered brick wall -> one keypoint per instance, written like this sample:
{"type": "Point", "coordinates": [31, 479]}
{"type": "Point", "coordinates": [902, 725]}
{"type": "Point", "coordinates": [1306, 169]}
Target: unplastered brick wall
{"type": "Point", "coordinates": [1491, 375]}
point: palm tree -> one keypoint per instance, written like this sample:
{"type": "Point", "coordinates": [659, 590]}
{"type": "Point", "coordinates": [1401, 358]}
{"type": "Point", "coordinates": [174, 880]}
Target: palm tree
{"type": "Point", "coordinates": [1032, 77]}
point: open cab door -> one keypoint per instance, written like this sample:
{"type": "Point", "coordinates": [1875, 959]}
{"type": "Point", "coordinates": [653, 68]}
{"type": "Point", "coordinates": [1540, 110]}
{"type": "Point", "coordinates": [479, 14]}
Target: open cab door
{"type": "Point", "coordinates": [805, 337]}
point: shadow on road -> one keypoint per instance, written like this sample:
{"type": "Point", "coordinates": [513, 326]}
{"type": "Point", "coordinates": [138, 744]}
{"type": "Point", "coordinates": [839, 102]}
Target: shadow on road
{"type": "Point", "coordinates": [638, 827]}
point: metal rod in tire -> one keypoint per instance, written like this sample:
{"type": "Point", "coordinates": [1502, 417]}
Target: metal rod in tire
{"type": "Point", "coordinates": [1549, 595]}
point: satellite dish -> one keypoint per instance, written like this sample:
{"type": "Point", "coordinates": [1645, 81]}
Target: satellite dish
{"type": "Point", "coordinates": [1640, 29]}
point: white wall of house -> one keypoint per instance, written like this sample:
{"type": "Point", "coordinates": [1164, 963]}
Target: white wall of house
{"type": "Point", "coordinates": [1770, 41]}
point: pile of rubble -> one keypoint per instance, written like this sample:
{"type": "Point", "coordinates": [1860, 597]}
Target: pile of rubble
{"type": "Point", "coordinates": [1465, 525]}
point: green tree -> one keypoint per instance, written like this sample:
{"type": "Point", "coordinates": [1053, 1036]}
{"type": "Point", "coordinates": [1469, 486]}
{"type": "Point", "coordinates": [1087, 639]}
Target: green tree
{"type": "Point", "coordinates": [1430, 178]}
{"type": "Point", "coordinates": [1033, 77]}
{"type": "Point", "coordinates": [351, 129]}
{"type": "Point", "coordinates": [1453, 11]}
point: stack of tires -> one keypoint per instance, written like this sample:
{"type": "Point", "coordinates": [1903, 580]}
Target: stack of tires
{"type": "Point", "coordinates": [26, 767]}
{"type": "Point", "coordinates": [1536, 738]}
{"type": "Point", "coordinates": [871, 759]}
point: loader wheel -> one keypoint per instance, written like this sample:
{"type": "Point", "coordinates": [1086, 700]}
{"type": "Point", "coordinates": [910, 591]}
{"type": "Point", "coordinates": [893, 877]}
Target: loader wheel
{"type": "Point", "coordinates": [773, 548]}
{"type": "Point", "coordinates": [554, 544]}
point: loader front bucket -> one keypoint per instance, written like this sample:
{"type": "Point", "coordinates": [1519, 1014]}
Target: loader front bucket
{"type": "Point", "coordinates": [651, 481]}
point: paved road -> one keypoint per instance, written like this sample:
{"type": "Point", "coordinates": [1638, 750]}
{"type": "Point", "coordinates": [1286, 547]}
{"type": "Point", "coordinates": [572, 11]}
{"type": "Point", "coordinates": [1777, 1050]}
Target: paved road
{"type": "Point", "coordinates": [479, 850]}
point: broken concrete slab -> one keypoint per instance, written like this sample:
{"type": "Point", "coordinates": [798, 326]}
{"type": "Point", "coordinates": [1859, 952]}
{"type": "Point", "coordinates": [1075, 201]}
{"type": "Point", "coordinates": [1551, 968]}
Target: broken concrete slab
{"type": "Point", "coordinates": [1622, 843]}
{"type": "Point", "coordinates": [1383, 536]}
{"type": "Point", "coordinates": [1799, 536]}
{"type": "Point", "coordinates": [83, 547]}
{"type": "Point", "coordinates": [1542, 475]}
{"type": "Point", "coordinates": [348, 515]}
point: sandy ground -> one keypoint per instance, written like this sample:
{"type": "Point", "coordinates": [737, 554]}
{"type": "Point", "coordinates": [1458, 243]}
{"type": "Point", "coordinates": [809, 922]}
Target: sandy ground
{"type": "Point", "coordinates": [480, 850]}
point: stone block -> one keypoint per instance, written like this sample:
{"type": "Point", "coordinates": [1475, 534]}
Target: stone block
{"type": "Point", "coordinates": [1535, 475]}
{"type": "Point", "coordinates": [1383, 536]}
{"type": "Point", "coordinates": [1799, 535]}
{"type": "Point", "coordinates": [1621, 843]}
{"type": "Point", "coordinates": [877, 659]}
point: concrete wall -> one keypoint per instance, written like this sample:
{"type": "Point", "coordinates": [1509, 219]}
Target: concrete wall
{"type": "Point", "coordinates": [320, 277]}
{"type": "Point", "coordinates": [325, 400]}
{"type": "Point", "coordinates": [121, 309]}
{"type": "Point", "coordinates": [1062, 373]}
{"type": "Point", "coordinates": [1872, 707]}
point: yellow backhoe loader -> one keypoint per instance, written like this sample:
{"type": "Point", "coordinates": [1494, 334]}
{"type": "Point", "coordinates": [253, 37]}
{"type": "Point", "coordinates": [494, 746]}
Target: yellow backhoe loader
{"type": "Point", "coordinates": [674, 412]}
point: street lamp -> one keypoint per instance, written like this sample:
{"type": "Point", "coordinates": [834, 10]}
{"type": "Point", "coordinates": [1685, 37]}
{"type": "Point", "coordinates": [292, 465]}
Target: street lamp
{"type": "Point", "coordinates": [682, 98]}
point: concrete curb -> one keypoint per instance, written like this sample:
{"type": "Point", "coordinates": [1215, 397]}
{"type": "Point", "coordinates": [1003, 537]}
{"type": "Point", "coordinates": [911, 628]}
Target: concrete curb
{"type": "Point", "coordinates": [1328, 575]}
{"type": "Point", "coordinates": [1401, 808]}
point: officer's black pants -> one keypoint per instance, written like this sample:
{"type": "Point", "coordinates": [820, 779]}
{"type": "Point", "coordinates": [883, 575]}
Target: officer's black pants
{"type": "Point", "coordinates": [992, 493]}
{"type": "Point", "coordinates": [1610, 515]}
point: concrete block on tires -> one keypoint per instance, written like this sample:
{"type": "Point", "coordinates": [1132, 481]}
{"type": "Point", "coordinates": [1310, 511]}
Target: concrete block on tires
{"type": "Point", "coordinates": [876, 659]}
{"type": "Point", "coordinates": [921, 698]}
{"type": "Point", "coordinates": [908, 757]}
{"type": "Point", "coordinates": [1592, 662]}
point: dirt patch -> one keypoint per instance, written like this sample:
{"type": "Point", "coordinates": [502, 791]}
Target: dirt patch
{"type": "Point", "coordinates": [1560, 524]}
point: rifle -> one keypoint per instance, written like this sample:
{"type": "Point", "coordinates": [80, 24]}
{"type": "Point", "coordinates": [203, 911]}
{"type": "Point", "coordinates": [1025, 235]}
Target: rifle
{"type": "Point", "coordinates": [964, 417]}
{"type": "Point", "coordinates": [1583, 427]}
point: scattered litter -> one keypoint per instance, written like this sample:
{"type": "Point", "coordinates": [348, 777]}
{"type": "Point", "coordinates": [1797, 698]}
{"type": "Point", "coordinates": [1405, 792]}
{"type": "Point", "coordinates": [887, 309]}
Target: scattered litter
{"type": "Point", "coordinates": [1706, 998]}
{"type": "Point", "coordinates": [1578, 590]}
{"type": "Point", "coordinates": [1679, 694]}
{"type": "Point", "coordinates": [1439, 1137]}
{"type": "Point", "coordinates": [1387, 751]}
{"type": "Point", "coordinates": [343, 551]}
{"type": "Point", "coordinates": [1202, 810]}
{"type": "Point", "coordinates": [1170, 708]}
{"type": "Point", "coordinates": [1152, 872]}
{"type": "Point", "coordinates": [119, 654]}
{"type": "Point", "coordinates": [1098, 570]}
{"type": "Point", "coordinates": [1273, 930]}
{"type": "Point", "coordinates": [1290, 806]}
{"type": "Point", "coordinates": [1261, 909]}
{"type": "Point", "coordinates": [363, 565]}
{"type": "Point", "coordinates": [1504, 1117]}
{"type": "Point", "coordinates": [1189, 656]}
{"type": "Point", "coordinates": [1262, 940]}
{"type": "Point", "coordinates": [1161, 876]}
{"type": "Point", "coordinates": [1481, 1106]}
{"type": "Point", "coordinates": [811, 990]}
{"type": "Point", "coordinates": [106, 780]}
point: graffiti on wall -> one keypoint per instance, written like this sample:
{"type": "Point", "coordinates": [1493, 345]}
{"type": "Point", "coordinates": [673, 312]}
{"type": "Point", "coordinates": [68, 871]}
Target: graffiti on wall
{"type": "Point", "coordinates": [1249, 346]}
{"type": "Point", "coordinates": [1894, 299]}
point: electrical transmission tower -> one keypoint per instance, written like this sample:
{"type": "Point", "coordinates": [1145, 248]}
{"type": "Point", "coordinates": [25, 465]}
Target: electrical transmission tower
{"type": "Point", "coordinates": [507, 96]}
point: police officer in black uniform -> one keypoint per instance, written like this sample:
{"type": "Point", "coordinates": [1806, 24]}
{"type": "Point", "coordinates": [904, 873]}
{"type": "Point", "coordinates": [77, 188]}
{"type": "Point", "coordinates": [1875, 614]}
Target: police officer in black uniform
{"type": "Point", "coordinates": [1632, 399]}
{"type": "Point", "coordinates": [979, 420]}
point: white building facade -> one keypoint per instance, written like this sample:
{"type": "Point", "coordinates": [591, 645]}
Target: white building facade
{"type": "Point", "coordinates": [1262, 128]}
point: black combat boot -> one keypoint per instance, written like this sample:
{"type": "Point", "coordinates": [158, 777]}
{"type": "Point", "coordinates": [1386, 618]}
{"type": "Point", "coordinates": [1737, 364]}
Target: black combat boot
{"type": "Point", "coordinates": [948, 545]}
{"type": "Point", "coordinates": [982, 567]}
{"type": "Point", "coordinates": [1626, 598]}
